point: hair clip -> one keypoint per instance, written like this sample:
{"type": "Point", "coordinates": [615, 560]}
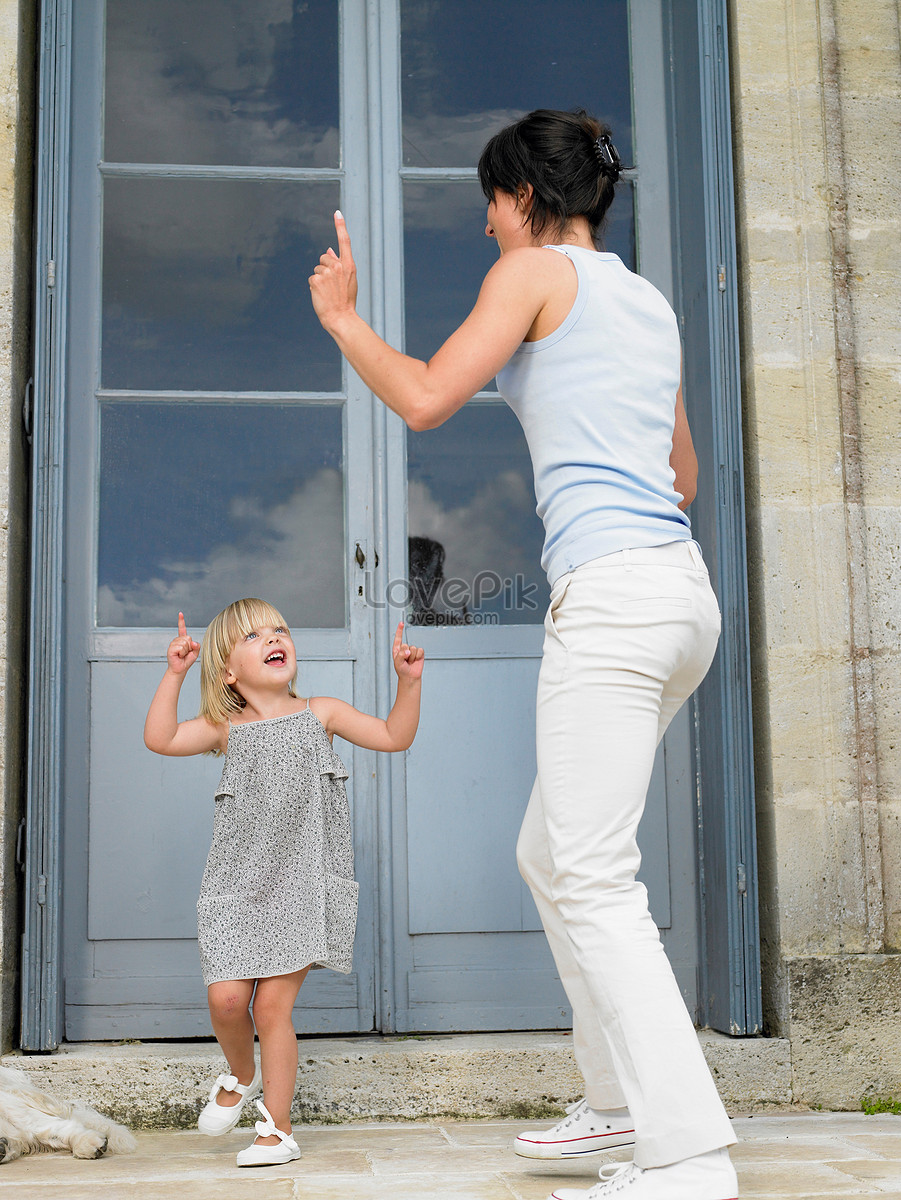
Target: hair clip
{"type": "Point", "coordinates": [608, 157]}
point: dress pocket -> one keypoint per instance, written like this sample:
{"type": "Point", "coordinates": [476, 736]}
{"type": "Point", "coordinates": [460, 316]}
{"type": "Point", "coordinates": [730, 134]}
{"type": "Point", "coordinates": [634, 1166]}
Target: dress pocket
{"type": "Point", "coordinates": [341, 898]}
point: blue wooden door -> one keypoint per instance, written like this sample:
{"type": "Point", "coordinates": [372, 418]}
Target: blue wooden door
{"type": "Point", "coordinates": [218, 449]}
{"type": "Point", "coordinates": [469, 952]}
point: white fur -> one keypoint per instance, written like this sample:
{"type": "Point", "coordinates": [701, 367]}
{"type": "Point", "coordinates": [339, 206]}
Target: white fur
{"type": "Point", "coordinates": [32, 1121]}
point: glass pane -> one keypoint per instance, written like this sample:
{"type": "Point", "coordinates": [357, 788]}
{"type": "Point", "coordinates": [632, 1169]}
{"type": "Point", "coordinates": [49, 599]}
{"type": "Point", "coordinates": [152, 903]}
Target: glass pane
{"type": "Point", "coordinates": [201, 504]}
{"type": "Point", "coordinates": [205, 285]}
{"type": "Point", "coordinates": [469, 68]}
{"type": "Point", "coordinates": [474, 537]}
{"type": "Point", "coordinates": [228, 82]}
{"type": "Point", "coordinates": [444, 239]}
{"type": "Point", "coordinates": [618, 235]}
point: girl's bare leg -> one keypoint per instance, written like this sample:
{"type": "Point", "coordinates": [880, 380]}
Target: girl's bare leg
{"type": "Point", "coordinates": [272, 1007]}
{"type": "Point", "coordinates": [229, 1003]}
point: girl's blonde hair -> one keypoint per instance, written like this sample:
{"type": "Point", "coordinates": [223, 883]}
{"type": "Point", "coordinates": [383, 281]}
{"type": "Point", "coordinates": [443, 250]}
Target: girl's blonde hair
{"type": "Point", "coordinates": [218, 701]}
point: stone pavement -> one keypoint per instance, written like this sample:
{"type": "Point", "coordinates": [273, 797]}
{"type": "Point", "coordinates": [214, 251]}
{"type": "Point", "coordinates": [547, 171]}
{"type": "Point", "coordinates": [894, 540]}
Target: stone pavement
{"type": "Point", "coordinates": [809, 1155]}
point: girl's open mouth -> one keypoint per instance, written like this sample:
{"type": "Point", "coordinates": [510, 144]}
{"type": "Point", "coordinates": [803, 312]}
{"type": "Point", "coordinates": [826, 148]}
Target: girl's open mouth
{"type": "Point", "coordinates": [277, 656]}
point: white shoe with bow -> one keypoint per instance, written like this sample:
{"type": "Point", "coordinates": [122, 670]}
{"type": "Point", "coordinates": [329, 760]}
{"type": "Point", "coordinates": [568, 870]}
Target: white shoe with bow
{"type": "Point", "coordinates": [268, 1156]}
{"type": "Point", "coordinates": [216, 1119]}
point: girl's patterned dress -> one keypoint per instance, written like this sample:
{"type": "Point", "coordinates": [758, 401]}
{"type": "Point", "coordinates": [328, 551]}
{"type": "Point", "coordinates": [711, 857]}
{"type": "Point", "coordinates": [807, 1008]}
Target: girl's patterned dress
{"type": "Point", "coordinates": [278, 891]}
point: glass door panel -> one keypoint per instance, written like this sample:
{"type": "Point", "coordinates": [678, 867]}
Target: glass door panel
{"type": "Point", "coordinates": [469, 68]}
{"type": "Point", "coordinates": [201, 285]}
{"type": "Point", "coordinates": [222, 82]}
{"type": "Point", "coordinates": [475, 539]}
{"type": "Point", "coordinates": [254, 502]}
{"type": "Point", "coordinates": [444, 240]}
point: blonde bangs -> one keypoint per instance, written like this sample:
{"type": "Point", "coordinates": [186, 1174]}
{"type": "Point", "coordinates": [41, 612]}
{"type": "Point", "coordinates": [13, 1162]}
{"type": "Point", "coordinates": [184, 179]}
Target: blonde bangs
{"type": "Point", "coordinates": [218, 701]}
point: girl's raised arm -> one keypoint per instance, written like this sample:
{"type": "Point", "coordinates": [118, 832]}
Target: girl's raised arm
{"type": "Point", "coordinates": [425, 394]}
{"type": "Point", "coordinates": [397, 731]}
{"type": "Point", "coordinates": [162, 732]}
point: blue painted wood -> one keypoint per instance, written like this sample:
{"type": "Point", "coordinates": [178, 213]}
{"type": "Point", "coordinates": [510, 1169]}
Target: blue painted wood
{"type": "Point", "coordinates": [151, 818]}
{"type": "Point", "coordinates": [41, 1023]}
{"type": "Point", "coordinates": [150, 822]}
{"type": "Point", "coordinates": [472, 928]}
{"type": "Point", "coordinates": [469, 776]}
{"type": "Point", "coordinates": [708, 306]}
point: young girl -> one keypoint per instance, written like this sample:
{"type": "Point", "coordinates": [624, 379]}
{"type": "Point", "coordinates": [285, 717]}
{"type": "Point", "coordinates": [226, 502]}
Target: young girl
{"type": "Point", "coordinates": [587, 355]}
{"type": "Point", "coordinates": [278, 895]}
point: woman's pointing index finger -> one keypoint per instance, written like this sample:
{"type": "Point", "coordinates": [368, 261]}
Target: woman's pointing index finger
{"type": "Point", "coordinates": [344, 250]}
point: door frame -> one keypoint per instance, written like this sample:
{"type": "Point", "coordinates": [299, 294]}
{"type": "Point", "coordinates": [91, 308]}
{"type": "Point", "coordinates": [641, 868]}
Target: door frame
{"type": "Point", "coordinates": [708, 303]}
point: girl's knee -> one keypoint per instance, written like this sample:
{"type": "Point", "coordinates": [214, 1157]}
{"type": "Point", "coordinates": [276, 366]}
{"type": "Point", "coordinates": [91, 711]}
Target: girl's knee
{"type": "Point", "coordinates": [269, 1014]}
{"type": "Point", "coordinates": [272, 1007]}
{"type": "Point", "coordinates": [227, 1002]}
{"type": "Point", "coordinates": [273, 1001]}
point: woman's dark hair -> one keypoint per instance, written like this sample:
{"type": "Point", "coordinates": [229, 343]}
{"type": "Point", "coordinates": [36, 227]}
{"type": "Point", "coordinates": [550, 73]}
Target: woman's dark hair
{"type": "Point", "coordinates": [567, 157]}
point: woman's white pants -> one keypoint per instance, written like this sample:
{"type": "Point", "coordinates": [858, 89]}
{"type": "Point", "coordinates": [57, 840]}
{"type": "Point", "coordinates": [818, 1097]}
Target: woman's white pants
{"type": "Point", "coordinates": [628, 638]}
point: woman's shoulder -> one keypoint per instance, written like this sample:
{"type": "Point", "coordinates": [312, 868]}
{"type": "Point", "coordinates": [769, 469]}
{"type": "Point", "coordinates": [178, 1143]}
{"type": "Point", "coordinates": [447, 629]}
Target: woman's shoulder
{"type": "Point", "coordinates": [529, 264]}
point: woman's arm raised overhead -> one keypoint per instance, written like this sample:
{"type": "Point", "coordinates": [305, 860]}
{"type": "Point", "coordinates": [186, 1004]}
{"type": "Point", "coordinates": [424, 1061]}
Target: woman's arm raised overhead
{"type": "Point", "coordinates": [425, 394]}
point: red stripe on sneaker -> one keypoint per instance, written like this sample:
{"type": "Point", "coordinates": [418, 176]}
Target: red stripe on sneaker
{"type": "Point", "coordinates": [567, 1141]}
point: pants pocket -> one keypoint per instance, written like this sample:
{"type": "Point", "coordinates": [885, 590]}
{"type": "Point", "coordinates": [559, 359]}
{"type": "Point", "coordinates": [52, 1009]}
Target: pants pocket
{"type": "Point", "coordinates": [558, 595]}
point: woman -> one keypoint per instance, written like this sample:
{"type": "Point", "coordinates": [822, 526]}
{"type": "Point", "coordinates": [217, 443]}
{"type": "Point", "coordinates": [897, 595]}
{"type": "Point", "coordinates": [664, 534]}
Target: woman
{"type": "Point", "coordinates": [587, 354]}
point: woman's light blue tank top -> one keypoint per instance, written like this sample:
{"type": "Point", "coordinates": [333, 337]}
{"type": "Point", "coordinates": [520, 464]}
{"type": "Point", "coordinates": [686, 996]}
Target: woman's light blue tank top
{"type": "Point", "coordinates": [597, 401]}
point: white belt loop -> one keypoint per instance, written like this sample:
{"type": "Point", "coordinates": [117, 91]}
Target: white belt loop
{"type": "Point", "coordinates": [627, 558]}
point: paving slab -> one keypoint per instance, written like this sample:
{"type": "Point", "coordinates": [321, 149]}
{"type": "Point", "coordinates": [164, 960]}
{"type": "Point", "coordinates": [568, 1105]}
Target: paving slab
{"type": "Point", "coordinates": [814, 1156]}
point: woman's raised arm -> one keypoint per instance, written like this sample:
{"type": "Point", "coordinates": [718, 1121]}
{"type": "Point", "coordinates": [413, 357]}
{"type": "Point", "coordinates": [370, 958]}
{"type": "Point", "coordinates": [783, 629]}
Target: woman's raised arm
{"type": "Point", "coordinates": [425, 394]}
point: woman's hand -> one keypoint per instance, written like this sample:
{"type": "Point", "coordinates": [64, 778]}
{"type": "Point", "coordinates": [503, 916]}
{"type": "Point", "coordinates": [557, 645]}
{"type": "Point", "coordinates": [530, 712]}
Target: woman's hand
{"type": "Point", "coordinates": [333, 284]}
{"type": "Point", "coordinates": [408, 660]}
{"type": "Point", "coordinates": [183, 650]}
{"type": "Point", "coordinates": [514, 292]}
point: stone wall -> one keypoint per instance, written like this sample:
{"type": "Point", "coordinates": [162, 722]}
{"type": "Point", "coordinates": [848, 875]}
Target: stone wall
{"type": "Point", "coordinates": [817, 100]}
{"type": "Point", "coordinates": [17, 71]}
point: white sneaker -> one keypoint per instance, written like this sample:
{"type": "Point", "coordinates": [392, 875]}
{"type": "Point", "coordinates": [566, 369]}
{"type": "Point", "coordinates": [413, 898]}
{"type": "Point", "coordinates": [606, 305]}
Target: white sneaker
{"type": "Point", "coordinates": [216, 1119]}
{"type": "Point", "coordinates": [268, 1156]}
{"type": "Point", "coordinates": [706, 1177]}
{"type": "Point", "coordinates": [581, 1132]}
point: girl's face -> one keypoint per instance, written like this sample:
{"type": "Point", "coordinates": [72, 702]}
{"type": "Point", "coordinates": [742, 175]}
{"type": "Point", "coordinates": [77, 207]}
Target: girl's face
{"type": "Point", "coordinates": [507, 221]}
{"type": "Point", "coordinates": [265, 657]}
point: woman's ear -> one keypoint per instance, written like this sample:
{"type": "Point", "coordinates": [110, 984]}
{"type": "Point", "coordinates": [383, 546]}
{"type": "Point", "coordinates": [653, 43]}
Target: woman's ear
{"type": "Point", "coordinates": [524, 194]}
